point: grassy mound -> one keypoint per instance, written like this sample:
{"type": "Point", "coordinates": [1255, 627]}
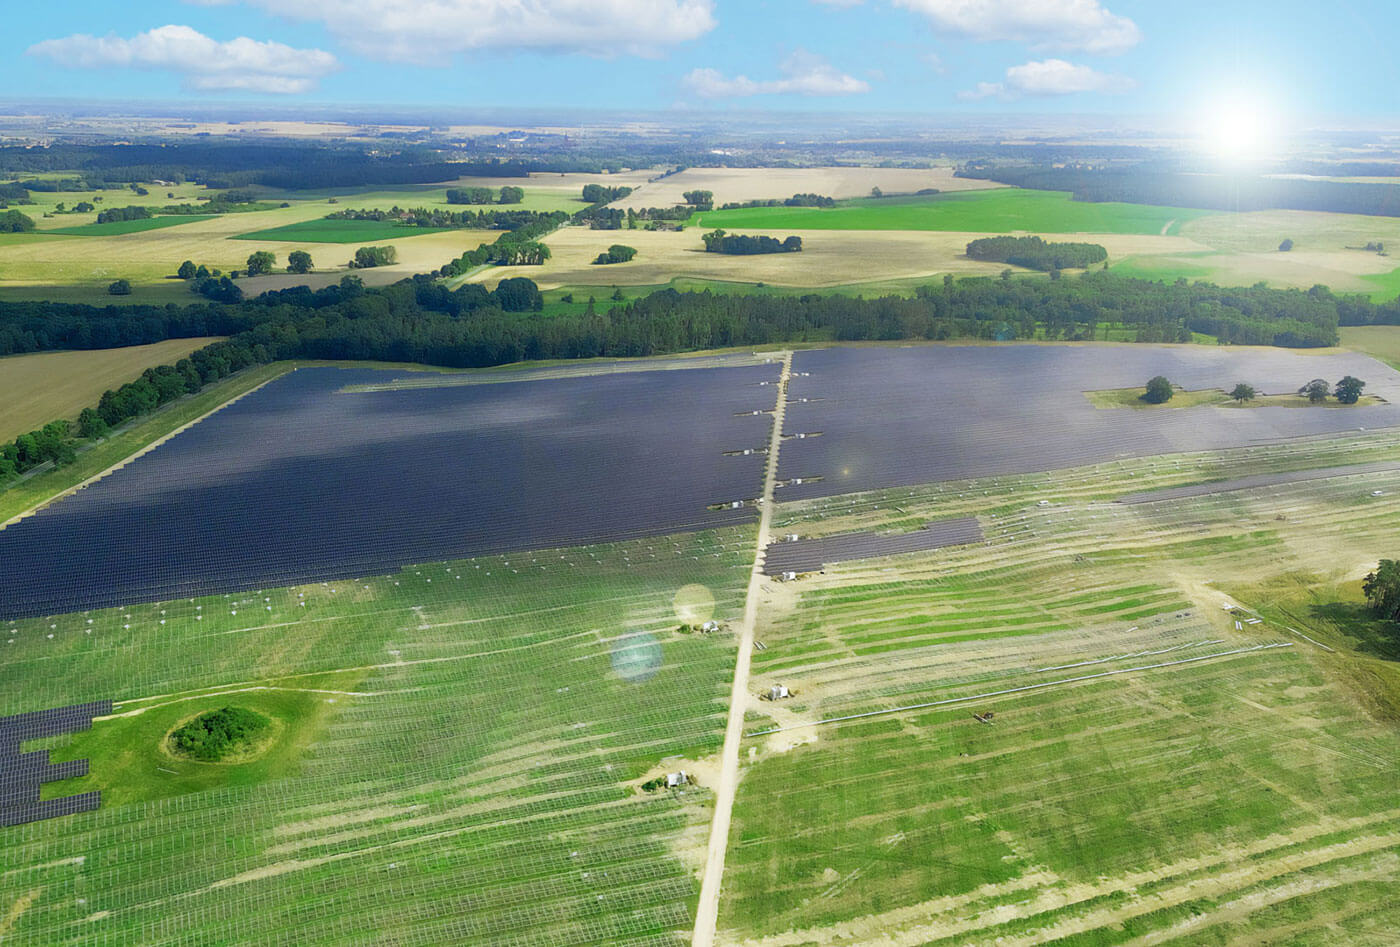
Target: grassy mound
{"type": "Point", "coordinates": [218, 734]}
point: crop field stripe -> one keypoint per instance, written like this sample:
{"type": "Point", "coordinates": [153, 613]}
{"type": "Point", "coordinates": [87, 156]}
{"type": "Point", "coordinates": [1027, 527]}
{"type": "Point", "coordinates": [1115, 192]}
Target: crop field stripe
{"type": "Point", "coordinates": [1028, 687]}
{"type": "Point", "coordinates": [707, 911]}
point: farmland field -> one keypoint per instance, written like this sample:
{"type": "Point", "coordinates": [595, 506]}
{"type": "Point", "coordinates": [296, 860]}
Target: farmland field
{"type": "Point", "coordinates": [749, 184]}
{"type": "Point", "coordinates": [1152, 768]}
{"type": "Point", "coordinates": [338, 231]}
{"type": "Point", "coordinates": [1001, 210]}
{"type": "Point", "coordinates": [117, 228]}
{"type": "Point", "coordinates": [48, 386]}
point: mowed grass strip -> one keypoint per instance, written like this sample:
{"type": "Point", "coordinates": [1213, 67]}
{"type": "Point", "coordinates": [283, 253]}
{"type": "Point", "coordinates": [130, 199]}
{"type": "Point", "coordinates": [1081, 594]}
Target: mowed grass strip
{"type": "Point", "coordinates": [1001, 210]}
{"type": "Point", "coordinates": [117, 228]}
{"type": "Point", "coordinates": [339, 231]}
{"type": "Point", "coordinates": [48, 386]}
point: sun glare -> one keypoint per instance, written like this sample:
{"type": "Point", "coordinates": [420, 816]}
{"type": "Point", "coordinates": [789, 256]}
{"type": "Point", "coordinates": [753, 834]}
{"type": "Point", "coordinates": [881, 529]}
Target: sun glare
{"type": "Point", "coordinates": [1238, 128]}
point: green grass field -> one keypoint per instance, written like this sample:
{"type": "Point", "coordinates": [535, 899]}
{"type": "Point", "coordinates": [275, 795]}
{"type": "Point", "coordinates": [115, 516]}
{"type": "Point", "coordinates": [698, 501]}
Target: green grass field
{"type": "Point", "coordinates": [993, 211]}
{"type": "Point", "coordinates": [1215, 798]}
{"type": "Point", "coordinates": [457, 758]}
{"type": "Point", "coordinates": [119, 228]}
{"type": "Point", "coordinates": [338, 231]}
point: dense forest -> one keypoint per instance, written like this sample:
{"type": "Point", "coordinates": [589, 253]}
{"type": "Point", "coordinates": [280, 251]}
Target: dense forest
{"type": "Point", "coordinates": [1035, 253]}
{"type": "Point", "coordinates": [1205, 191]}
{"type": "Point", "coordinates": [420, 320]}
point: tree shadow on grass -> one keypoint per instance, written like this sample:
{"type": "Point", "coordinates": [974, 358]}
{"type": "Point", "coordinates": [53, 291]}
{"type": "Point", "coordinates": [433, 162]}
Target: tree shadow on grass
{"type": "Point", "coordinates": [1373, 636]}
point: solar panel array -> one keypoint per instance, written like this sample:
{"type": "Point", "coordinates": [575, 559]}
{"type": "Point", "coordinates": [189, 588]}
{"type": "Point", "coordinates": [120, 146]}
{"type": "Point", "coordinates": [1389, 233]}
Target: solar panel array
{"type": "Point", "coordinates": [893, 417]}
{"type": "Point", "coordinates": [22, 775]}
{"type": "Point", "coordinates": [810, 555]}
{"type": "Point", "coordinates": [304, 482]}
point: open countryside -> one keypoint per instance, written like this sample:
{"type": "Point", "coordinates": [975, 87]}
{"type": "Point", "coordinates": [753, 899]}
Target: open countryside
{"type": "Point", "coordinates": [932, 480]}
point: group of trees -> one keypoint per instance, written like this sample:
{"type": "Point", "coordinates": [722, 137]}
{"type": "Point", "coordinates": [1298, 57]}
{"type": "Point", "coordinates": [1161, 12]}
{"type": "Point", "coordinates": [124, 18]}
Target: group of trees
{"type": "Point", "coordinates": [718, 241]}
{"type": "Point", "coordinates": [797, 200]}
{"type": "Point", "coordinates": [12, 221]}
{"type": "Point", "coordinates": [1036, 254]}
{"type": "Point", "coordinates": [368, 257]}
{"type": "Point", "coordinates": [508, 194]}
{"type": "Point", "coordinates": [604, 194]}
{"type": "Point", "coordinates": [516, 247]}
{"type": "Point", "coordinates": [1347, 391]}
{"type": "Point", "coordinates": [617, 253]}
{"type": "Point", "coordinates": [116, 214]}
{"type": "Point", "coordinates": [212, 736]}
{"type": "Point", "coordinates": [699, 199]}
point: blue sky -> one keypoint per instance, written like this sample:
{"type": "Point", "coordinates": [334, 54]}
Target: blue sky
{"type": "Point", "coordinates": [972, 56]}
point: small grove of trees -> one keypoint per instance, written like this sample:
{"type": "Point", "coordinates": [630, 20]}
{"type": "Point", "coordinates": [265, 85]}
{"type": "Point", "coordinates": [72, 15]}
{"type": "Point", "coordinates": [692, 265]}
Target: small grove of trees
{"type": "Point", "coordinates": [603, 194]}
{"type": "Point", "coordinates": [797, 200]}
{"type": "Point", "coordinates": [114, 215]}
{"type": "Point", "coordinates": [1286, 245]}
{"type": "Point", "coordinates": [261, 262]}
{"type": "Point", "coordinates": [1242, 392]}
{"type": "Point", "coordinates": [1036, 254]}
{"type": "Point", "coordinates": [511, 195]}
{"type": "Point", "coordinates": [187, 270]}
{"type": "Point", "coordinates": [368, 257]}
{"type": "Point", "coordinates": [120, 287]}
{"type": "Point", "coordinates": [299, 262]}
{"type": "Point", "coordinates": [1382, 589]}
{"type": "Point", "coordinates": [471, 195]}
{"type": "Point", "coordinates": [12, 221]}
{"type": "Point", "coordinates": [617, 253]}
{"type": "Point", "coordinates": [518, 294]}
{"type": "Point", "coordinates": [1348, 390]}
{"type": "Point", "coordinates": [717, 241]}
{"type": "Point", "coordinates": [212, 736]}
{"type": "Point", "coordinates": [701, 200]}
{"type": "Point", "coordinates": [1158, 391]}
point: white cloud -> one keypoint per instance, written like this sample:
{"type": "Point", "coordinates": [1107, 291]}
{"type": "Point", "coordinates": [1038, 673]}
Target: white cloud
{"type": "Point", "coordinates": [1045, 78]}
{"type": "Point", "coordinates": [207, 65]}
{"type": "Point", "coordinates": [802, 74]}
{"type": "Point", "coordinates": [434, 30]}
{"type": "Point", "coordinates": [1081, 25]}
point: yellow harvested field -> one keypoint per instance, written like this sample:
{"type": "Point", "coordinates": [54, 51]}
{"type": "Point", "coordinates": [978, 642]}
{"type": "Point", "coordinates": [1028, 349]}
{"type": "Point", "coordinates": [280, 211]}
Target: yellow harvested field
{"type": "Point", "coordinates": [829, 257]}
{"type": "Point", "coordinates": [755, 184]}
{"type": "Point", "coordinates": [48, 386]}
{"type": "Point", "coordinates": [1263, 231]}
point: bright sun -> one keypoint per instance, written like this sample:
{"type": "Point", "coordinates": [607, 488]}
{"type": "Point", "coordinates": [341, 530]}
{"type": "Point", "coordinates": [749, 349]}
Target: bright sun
{"type": "Point", "coordinates": [1238, 128]}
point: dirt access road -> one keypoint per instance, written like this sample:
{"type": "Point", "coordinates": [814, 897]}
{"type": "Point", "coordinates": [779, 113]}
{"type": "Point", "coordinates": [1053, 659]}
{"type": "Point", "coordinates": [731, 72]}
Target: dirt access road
{"type": "Point", "coordinates": [707, 912]}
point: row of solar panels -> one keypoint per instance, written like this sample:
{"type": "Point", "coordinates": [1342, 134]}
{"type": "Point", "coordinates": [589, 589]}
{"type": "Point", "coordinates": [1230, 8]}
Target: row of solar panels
{"type": "Point", "coordinates": [22, 775]}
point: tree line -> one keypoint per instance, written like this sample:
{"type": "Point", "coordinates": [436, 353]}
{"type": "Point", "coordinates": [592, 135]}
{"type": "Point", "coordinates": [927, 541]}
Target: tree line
{"type": "Point", "coordinates": [604, 194]}
{"type": "Point", "coordinates": [446, 219]}
{"type": "Point", "coordinates": [1035, 253]}
{"type": "Point", "coordinates": [797, 200]}
{"type": "Point", "coordinates": [420, 320]}
{"type": "Point", "coordinates": [509, 194]}
{"type": "Point", "coordinates": [718, 241]}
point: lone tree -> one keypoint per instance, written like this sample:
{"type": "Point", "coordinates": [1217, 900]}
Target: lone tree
{"type": "Point", "coordinates": [1316, 390]}
{"type": "Point", "coordinates": [298, 261]}
{"type": "Point", "coordinates": [187, 270]}
{"type": "Point", "coordinates": [1286, 245]}
{"type": "Point", "coordinates": [1382, 589]}
{"type": "Point", "coordinates": [120, 288]}
{"type": "Point", "coordinates": [1159, 391]}
{"type": "Point", "coordinates": [1242, 392]}
{"type": "Point", "coordinates": [261, 263]}
{"type": "Point", "coordinates": [1349, 389]}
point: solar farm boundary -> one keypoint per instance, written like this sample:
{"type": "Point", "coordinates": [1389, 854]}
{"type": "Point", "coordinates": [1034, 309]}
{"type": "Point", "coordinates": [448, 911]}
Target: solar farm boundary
{"type": "Point", "coordinates": [590, 368]}
{"type": "Point", "coordinates": [707, 910]}
{"type": "Point", "coordinates": [130, 458]}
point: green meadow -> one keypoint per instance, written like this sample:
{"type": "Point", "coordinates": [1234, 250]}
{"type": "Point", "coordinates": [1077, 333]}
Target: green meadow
{"type": "Point", "coordinates": [118, 228]}
{"type": "Point", "coordinates": [999, 210]}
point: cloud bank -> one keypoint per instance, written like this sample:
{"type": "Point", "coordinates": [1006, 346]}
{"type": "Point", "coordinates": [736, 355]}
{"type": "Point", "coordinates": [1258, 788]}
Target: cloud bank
{"type": "Point", "coordinates": [802, 74]}
{"type": "Point", "coordinates": [1048, 77]}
